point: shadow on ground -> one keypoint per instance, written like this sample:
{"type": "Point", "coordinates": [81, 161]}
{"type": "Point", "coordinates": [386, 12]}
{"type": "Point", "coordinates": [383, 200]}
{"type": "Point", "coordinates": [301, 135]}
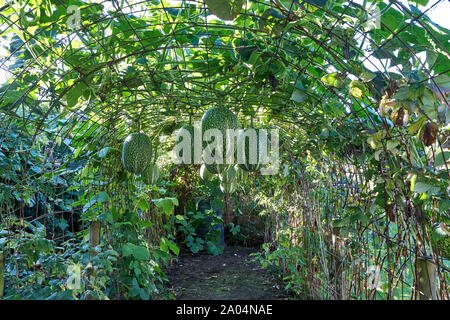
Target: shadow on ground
{"type": "Point", "coordinates": [230, 276]}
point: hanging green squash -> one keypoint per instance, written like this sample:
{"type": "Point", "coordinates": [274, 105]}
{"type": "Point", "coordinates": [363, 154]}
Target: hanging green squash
{"type": "Point", "coordinates": [228, 176]}
{"type": "Point", "coordinates": [205, 174]}
{"type": "Point", "coordinates": [137, 152]}
{"type": "Point", "coordinates": [249, 147]}
{"type": "Point", "coordinates": [242, 175]}
{"type": "Point", "coordinates": [151, 174]}
{"type": "Point", "coordinates": [185, 132]}
{"type": "Point", "coordinates": [221, 119]}
{"type": "Point", "coordinates": [228, 187]}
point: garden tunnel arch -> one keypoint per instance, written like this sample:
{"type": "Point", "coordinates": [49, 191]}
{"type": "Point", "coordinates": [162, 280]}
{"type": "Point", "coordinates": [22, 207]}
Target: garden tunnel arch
{"type": "Point", "coordinates": [319, 68]}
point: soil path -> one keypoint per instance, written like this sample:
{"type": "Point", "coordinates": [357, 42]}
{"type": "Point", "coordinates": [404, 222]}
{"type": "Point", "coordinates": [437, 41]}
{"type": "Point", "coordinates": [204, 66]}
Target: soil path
{"type": "Point", "coordinates": [230, 276]}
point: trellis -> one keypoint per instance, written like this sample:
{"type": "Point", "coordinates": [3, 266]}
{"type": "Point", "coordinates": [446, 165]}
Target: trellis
{"type": "Point", "coordinates": [154, 65]}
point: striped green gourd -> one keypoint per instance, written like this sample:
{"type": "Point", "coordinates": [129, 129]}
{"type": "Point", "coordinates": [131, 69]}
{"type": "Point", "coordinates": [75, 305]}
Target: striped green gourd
{"type": "Point", "coordinates": [228, 180]}
{"type": "Point", "coordinates": [228, 187]}
{"type": "Point", "coordinates": [151, 174]}
{"type": "Point", "coordinates": [137, 152]}
{"type": "Point", "coordinates": [183, 130]}
{"type": "Point", "coordinates": [205, 174]}
{"type": "Point", "coordinates": [242, 175]}
{"type": "Point", "coordinates": [228, 176]}
{"type": "Point", "coordinates": [244, 142]}
{"type": "Point", "coordinates": [222, 119]}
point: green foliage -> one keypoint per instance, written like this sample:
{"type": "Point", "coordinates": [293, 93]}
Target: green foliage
{"type": "Point", "coordinates": [234, 229]}
{"type": "Point", "coordinates": [334, 80]}
{"type": "Point", "coordinates": [288, 260]}
{"type": "Point", "coordinates": [166, 204]}
{"type": "Point", "coordinates": [188, 226]}
{"type": "Point", "coordinates": [225, 9]}
{"type": "Point", "coordinates": [440, 240]}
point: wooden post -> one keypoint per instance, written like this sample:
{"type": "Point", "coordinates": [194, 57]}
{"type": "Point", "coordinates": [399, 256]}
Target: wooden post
{"type": "Point", "coordinates": [227, 214]}
{"type": "Point", "coordinates": [2, 274]}
{"type": "Point", "coordinates": [94, 239]}
{"type": "Point", "coordinates": [426, 279]}
{"type": "Point", "coordinates": [94, 236]}
{"type": "Point", "coordinates": [338, 263]}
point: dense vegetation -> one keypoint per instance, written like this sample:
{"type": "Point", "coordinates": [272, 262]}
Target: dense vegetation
{"type": "Point", "coordinates": [359, 204]}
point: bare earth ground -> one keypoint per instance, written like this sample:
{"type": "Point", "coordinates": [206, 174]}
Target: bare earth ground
{"type": "Point", "coordinates": [230, 276]}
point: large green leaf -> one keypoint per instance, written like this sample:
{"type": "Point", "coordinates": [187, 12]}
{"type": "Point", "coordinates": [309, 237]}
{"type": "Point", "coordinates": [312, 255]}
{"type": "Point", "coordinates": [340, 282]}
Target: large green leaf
{"type": "Point", "coordinates": [421, 187]}
{"type": "Point", "coordinates": [225, 9]}
{"type": "Point", "coordinates": [441, 158]}
{"type": "Point", "coordinates": [138, 252]}
{"type": "Point", "coordinates": [74, 94]}
{"type": "Point", "coordinates": [166, 204]}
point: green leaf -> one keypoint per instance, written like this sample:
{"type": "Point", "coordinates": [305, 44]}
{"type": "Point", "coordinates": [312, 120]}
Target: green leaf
{"type": "Point", "coordinates": [402, 93]}
{"type": "Point", "coordinates": [444, 205]}
{"type": "Point", "coordinates": [255, 59]}
{"type": "Point", "coordinates": [127, 249]}
{"type": "Point", "coordinates": [107, 216]}
{"type": "Point", "coordinates": [141, 253]}
{"type": "Point", "coordinates": [74, 94]}
{"type": "Point", "coordinates": [442, 158]}
{"type": "Point", "coordinates": [164, 245]}
{"type": "Point", "coordinates": [270, 21]}
{"type": "Point", "coordinates": [414, 128]}
{"type": "Point", "coordinates": [438, 234]}
{"type": "Point", "coordinates": [342, 222]}
{"type": "Point", "coordinates": [443, 80]}
{"type": "Point", "coordinates": [160, 255]}
{"type": "Point", "coordinates": [361, 217]}
{"type": "Point", "coordinates": [299, 95]}
{"type": "Point", "coordinates": [143, 205]}
{"type": "Point", "coordinates": [419, 2]}
{"type": "Point", "coordinates": [100, 197]}
{"type": "Point", "coordinates": [145, 223]}
{"type": "Point", "coordinates": [421, 187]}
{"type": "Point", "coordinates": [213, 249]}
{"type": "Point", "coordinates": [166, 204]}
{"type": "Point", "coordinates": [135, 288]}
{"type": "Point", "coordinates": [12, 96]}
{"type": "Point", "coordinates": [431, 111]}
{"type": "Point", "coordinates": [174, 248]}
{"type": "Point", "coordinates": [367, 76]}
{"type": "Point", "coordinates": [143, 293]}
{"type": "Point", "coordinates": [391, 144]}
{"type": "Point", "coordinates": [392, 18]}
{"type": "Point", "coordinates": [225, 9]}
